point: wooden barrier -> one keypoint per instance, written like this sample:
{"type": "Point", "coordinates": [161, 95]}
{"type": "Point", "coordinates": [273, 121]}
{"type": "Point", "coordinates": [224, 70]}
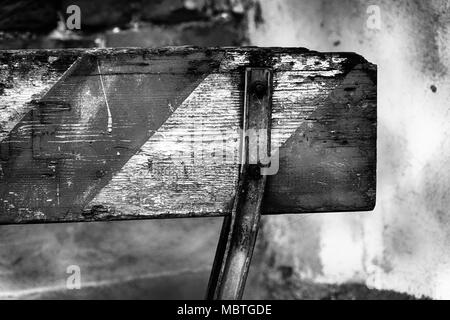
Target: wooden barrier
{"type": "Point", "coordinates": [112, 134]}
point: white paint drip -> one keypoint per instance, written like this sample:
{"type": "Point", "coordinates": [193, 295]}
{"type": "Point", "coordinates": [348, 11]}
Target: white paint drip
{"type": "Point", "coordinates": [106, 99]}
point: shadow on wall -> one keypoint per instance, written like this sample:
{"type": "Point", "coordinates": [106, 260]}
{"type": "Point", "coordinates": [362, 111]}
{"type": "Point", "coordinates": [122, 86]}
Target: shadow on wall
{"type": "Point", "coordinates": [404, 245]}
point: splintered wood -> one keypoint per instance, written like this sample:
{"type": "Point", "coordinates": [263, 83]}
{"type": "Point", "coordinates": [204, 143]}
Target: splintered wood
{"type": "Point", "coordinates": [154, 133]}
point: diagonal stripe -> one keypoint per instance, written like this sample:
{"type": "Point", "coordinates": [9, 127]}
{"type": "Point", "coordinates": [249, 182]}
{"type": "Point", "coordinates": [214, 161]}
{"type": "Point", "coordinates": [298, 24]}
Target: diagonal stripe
{"type": "Point", "coordinates": [19, 88]}
{"type": "Point", "coordinates": [61, 154]}
{"type": "Point", "coordinates": [191, 163]}
{"type": "Point", "coordinates": [329, 162]}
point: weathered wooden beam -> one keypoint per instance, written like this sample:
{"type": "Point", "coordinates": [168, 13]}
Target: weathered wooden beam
{"type": "Point", "coordinates": [239, 230]}
{"type": "Point", "coordinates": [112, 134]}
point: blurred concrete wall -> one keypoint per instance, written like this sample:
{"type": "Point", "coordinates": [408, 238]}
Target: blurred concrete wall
{"type": "Point", "coordinates": [404, 244]}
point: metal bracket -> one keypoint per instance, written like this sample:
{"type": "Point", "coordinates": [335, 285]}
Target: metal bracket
{"type": "Point", "coordinates": [239, 231]}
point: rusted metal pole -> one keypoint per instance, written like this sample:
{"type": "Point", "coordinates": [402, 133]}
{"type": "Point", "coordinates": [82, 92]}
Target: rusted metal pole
{"type": "Point", "coordinates": [239, 231]}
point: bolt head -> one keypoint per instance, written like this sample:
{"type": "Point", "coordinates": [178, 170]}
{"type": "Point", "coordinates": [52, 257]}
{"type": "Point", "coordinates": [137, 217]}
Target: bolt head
{"type": "Point", "coordinates": [259, 89]}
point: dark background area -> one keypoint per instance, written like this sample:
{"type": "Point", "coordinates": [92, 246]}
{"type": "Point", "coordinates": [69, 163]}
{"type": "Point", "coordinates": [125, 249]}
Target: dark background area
{"type": "Point", "coordinates": [164, 259]}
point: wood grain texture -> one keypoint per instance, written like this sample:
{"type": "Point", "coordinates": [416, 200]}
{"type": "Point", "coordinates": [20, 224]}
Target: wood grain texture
{"type": "Point", "coordinates": [154, 133]}
{"type": "Point", "coordinates": [240, 228]}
